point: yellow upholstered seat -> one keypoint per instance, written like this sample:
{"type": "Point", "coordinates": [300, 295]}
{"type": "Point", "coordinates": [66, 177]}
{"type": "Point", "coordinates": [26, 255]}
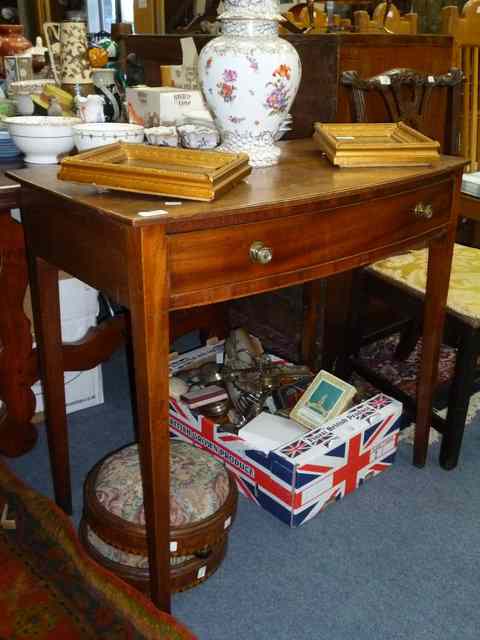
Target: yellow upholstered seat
{"type": "Point", "coordinates": [409, 271]}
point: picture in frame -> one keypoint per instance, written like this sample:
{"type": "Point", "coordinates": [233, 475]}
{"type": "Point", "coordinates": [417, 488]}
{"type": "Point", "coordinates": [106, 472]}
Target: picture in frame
{"type": "Point", "coordinates": [18, 68]}
{"type": "Point", "coordinates": [325, 398]}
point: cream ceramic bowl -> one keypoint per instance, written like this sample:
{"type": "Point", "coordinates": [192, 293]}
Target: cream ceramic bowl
{"type": "Point", "coordinates": [98, 134]}
{"type": "Point", "coordinates": [43, 139]}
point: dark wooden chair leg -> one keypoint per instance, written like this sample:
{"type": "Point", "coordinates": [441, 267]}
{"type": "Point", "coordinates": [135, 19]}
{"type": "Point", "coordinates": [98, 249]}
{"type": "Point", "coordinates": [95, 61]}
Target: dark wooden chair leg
{"type": "Point", "coordinates": [314, 294]}
{"type": "Point", "coordinates": [353, 329]}
{"type": "Point", "coordinates": [459, 398]}
{"type": "Point", "coordinates": [337, 308]}
{"type": "Point", "coordinates": [408, 339]}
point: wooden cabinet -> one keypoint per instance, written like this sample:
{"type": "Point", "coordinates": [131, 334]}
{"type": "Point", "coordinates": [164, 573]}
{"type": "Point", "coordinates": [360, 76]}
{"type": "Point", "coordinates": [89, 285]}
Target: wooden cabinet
{"type": "Point", "coordinates": [324, 57]}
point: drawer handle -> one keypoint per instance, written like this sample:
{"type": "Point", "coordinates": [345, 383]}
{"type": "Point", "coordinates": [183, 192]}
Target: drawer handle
{"type": "Point", "coordinates": [260, 253]}
{"type": "Point", "coordinates": [422, 210]}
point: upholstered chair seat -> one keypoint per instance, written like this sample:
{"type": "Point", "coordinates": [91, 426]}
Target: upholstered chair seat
{"type": "Point", "coordinates": [409, 271]}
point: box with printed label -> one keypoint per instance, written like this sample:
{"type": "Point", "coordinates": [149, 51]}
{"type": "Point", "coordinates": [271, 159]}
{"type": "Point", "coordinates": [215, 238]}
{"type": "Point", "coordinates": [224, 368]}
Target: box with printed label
{"type": "Point", "coordinates": [154, 106]}
{"type": "Point", "coordinates": [300, 478]}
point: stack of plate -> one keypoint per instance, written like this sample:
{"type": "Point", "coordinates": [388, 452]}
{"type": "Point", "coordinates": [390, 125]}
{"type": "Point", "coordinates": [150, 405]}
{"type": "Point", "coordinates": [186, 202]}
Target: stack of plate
{"type": "Point", "coordinates": [8, 150]}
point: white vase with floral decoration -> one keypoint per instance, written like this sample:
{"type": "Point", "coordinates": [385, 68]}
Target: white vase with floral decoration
{"type": "Point", "coordinates": [249, 77]}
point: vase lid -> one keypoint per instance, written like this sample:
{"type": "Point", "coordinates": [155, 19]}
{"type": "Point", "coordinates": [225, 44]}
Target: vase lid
{"type": "Point", "coordinates": [252, 9]}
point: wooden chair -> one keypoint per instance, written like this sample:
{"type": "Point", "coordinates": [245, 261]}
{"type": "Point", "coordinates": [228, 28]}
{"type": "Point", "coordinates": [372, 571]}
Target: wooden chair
{"type": "Point", "coordinates": [407, 96]}
{"type": "Point", "coordinates": [465, 29]}
{"type": "Point", "coordinates": [306, 18]}
{"type": "Point", "coordinates": [311, 18]}
{"type": "Point", "coordinates": [400, 281]}
{"type": "Point", "coordinates": [386, 18]}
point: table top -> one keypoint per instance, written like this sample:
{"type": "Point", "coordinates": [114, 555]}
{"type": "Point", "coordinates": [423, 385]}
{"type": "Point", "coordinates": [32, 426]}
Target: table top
{"type": "Point", "coordinates": [6, 184]}
{"type": "Point", "coordinates": [302, 177]}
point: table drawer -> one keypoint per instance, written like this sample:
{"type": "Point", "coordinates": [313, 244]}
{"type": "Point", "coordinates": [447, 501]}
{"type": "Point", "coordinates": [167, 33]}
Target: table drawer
{"type": "Point", "coordinates": [224, 256]}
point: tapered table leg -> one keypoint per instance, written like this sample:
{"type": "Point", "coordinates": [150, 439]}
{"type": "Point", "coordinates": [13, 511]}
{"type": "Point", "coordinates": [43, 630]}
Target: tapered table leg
{"type": "Point", "coordinates": [148, 294]}
{"type": "Point", "coordinates": [438, 276]}
{"type": "Point", "coordinates": [46, 308]}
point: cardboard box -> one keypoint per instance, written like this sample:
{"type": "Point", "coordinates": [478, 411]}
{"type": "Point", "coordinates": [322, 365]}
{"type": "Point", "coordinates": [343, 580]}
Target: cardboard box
{"type": "Point", "coordinates": [78, 311]}
{"type": "Point", "coordinates": [83, 389]}
{"type": "Point", "coordinates": [299, 479]}
{"type": "Point", "coordinates": [154, 106]}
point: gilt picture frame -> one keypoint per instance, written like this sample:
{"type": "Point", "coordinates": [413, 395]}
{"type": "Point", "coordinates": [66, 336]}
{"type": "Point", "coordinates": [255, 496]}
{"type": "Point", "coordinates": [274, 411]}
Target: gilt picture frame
{"type": "Point", "coordinates": [375, 145]}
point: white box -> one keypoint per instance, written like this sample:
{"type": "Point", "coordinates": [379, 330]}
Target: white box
{"type": "Point", "coordinates": [471, 184]}
{"type": "Point", "coordinates": [78, 311]}
{"type": "Point", "coordinates": [83, 389]}
{"type": "Point", "coordinates": [267, 432]}
{"type": "Point", "coordinates": [154, 106]}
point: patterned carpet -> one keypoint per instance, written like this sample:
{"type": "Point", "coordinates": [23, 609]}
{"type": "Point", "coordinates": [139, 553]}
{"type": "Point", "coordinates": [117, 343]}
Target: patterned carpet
{"type": "Point", "coordinates": [379, 356]}
{"type": "Point", "coordinates": [51, 590]}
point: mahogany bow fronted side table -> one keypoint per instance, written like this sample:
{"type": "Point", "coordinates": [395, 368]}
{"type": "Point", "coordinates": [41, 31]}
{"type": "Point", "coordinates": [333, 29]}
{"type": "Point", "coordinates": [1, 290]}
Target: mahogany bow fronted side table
{"type": "Point", "coordinates": [312, 221]}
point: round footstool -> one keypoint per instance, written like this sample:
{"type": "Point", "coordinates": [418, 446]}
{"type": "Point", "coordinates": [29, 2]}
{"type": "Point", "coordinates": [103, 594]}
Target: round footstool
{"type": "Point", "coordinates": [203, 502]}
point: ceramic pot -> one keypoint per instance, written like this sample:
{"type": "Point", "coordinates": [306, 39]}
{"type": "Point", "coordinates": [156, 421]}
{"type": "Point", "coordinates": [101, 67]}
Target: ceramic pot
{"type": "Point", "coordinates": [249, 77]}
{"type": "Point", "coordinates": [104, 81]}
{"type": "Point", "coordinates": [12, 42]}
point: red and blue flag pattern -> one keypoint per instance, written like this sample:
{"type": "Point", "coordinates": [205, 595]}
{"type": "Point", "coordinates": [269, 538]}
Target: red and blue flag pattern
{"type": "Point", "coordinates": [299, 479]}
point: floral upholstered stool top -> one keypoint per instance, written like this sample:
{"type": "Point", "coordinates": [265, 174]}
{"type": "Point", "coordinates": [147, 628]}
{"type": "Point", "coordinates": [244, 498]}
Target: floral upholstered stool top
{"type": "Point", "coordinates": [409, 271]}
{"type": "Point", "coordinates": [203, 501]}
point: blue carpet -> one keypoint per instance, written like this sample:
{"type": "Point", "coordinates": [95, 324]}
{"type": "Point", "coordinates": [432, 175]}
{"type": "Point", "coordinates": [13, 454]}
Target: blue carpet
{"type": "Point", "coordinates": [399, 558]}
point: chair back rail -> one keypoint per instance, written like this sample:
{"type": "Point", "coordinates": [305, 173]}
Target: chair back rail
{"type": "Point", "coordinates": [409, 96]}
{"type": "Point", "coordinates": [465, 28]}
{"type": "Point", "coordinates": [386, 18]}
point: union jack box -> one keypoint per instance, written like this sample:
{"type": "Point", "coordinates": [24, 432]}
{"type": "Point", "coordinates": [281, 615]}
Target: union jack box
{"type": "Point", "coordinates": [297, 480]}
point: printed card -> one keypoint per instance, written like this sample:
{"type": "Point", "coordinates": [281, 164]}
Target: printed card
{"type": "Point", "coordinates": [325, 398]}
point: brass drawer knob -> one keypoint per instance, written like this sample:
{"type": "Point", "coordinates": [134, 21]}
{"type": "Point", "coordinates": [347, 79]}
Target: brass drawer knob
{"type": "Point", "coordinates": [422, 210]}
{"type": "Point", "coordinates": [260, 253]}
